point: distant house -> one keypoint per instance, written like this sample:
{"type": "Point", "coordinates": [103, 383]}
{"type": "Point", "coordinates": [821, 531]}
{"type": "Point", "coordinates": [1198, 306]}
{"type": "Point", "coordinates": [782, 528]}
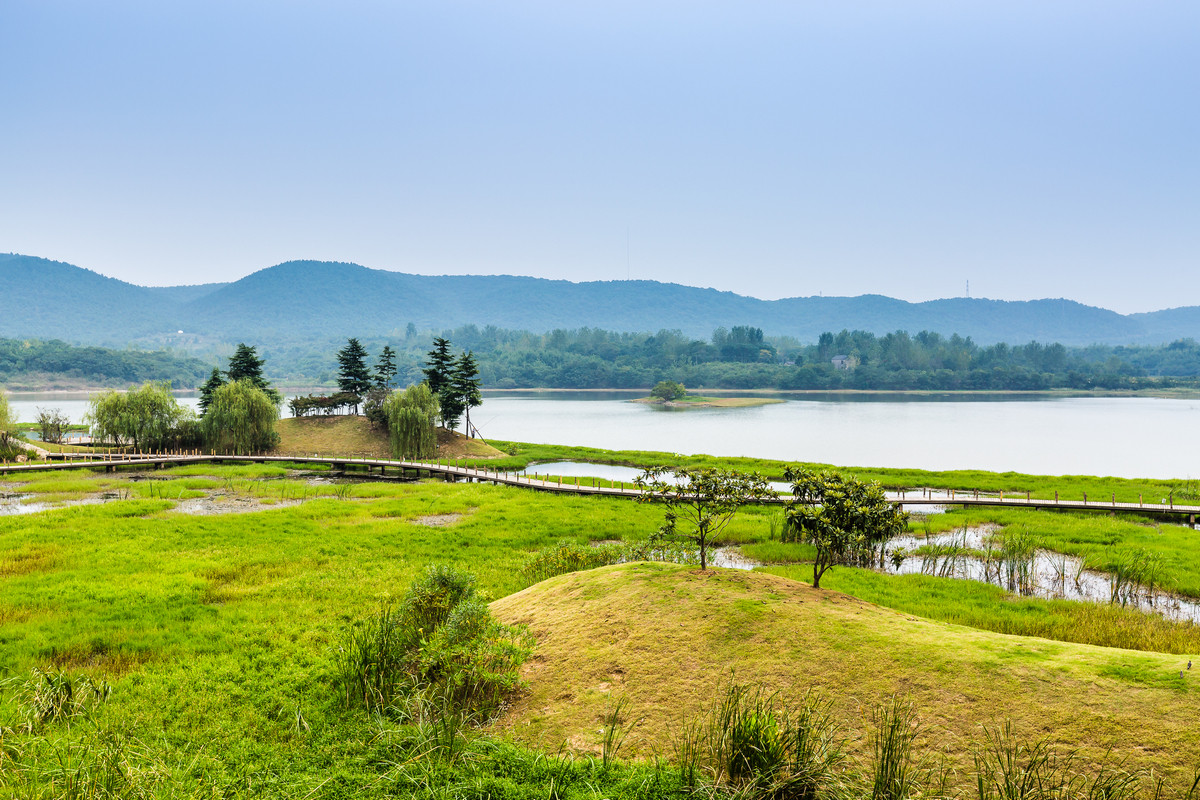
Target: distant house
{"type": "Point", "coordinates": [840, 362]}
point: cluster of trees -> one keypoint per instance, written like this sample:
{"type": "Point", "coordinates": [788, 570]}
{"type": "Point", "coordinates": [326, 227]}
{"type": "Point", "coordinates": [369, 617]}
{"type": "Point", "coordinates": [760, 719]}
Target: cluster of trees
{"type": "Point", "coordinates": [238, 408]}
{"type": "Point", "coordinates": [845, 520]}
{"type": "Point", "coordinates": [454, 381]}
{"type": "Point", "coordinates": [148, 418]}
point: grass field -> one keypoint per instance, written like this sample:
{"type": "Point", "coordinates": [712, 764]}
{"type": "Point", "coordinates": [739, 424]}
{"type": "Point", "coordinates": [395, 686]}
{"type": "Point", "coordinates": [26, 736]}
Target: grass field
{"type": "Point", "coordinates": [217, 633]}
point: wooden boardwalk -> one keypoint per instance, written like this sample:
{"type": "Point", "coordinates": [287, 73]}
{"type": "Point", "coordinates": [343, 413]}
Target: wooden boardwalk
{"type": "Point", "coordinates": [454, 471]}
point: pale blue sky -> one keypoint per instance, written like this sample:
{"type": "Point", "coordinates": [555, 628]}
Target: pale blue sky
{"type": "Point", "coordinates": [1036, 149]}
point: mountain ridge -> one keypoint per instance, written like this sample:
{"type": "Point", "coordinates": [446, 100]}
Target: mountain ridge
{"type": "Point", "coordinates": [302, 300]}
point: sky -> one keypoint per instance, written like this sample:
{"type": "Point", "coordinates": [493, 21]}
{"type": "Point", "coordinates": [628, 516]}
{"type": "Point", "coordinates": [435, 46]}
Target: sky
{"type": "Point", "coordinates": [1030, 149]}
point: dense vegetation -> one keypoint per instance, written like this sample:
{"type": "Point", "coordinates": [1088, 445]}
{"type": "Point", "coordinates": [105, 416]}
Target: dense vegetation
{"type": "Point", "coordinates": [36, 363]}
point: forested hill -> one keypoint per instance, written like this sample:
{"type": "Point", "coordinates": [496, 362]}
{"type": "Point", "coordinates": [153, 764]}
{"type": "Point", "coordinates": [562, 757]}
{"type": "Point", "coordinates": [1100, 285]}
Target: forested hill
{"type": "Point", "coordinates": [33, 364]}
{"type": "Point", "coordinates": [299, 301]}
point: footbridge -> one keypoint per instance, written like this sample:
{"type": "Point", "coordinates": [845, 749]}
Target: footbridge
{"type": "Point", "coordinates": [454, 470]}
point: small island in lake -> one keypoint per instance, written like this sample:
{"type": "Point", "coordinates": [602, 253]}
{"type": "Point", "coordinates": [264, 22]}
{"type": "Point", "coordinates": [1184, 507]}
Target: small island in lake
{"type": "Point", "coordinates": [670, 393]}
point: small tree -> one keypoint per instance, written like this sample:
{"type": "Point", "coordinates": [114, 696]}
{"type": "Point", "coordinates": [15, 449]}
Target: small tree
{"type": "Point", "coordinates": [411, 415]}
{"type": "Point", "coordinates": [385, 369]}
{"type": "Point", "coordinates": [465, 385]}
{"type": "Point", "coordinates": [52, 424]}
{"type": "Point", "coordinates": [353, 376]}
{"type": "Point", "coordinates": [440, 366]}
{"type": "Point", "coordinates": [240, 420]}
{"type": "Point", "coordinates": [843, 518]}
{"type": "Point", "coordinates": [705, 499]}
{"type": "Point", "coordinates": [215, 381]}
{"type": "Point", "coordinates": [668, 390]}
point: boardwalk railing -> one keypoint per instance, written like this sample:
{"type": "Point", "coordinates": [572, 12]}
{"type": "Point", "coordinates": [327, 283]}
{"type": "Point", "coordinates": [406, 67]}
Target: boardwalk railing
{"type": "Point", "coordinates": [454, 470]}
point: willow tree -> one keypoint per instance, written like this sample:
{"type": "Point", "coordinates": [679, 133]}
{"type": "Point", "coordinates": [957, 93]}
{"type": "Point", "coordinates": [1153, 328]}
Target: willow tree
{"type": "Point", "coordinates": [8, 420]}
{"type": "Point", "coordinates": [411, 415]}
{"type": "Point", "coordinates": [148, 417]}
{"type": "Point", "coordinates": [240, 419]}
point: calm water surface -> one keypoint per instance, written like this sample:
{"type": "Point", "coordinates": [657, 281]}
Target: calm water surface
{"type": "Point", "coordinates": [1125, 436]}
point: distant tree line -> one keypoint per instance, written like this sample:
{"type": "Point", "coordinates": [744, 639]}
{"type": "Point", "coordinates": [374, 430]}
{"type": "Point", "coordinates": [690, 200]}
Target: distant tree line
{"type": "Point", "coordinates": [29, 360]}
{"type": "Point", "coordinates": [744, 358]}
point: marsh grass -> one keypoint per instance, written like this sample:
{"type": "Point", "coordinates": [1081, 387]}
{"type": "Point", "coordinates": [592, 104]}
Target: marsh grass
{"type": "Point", "coordinates": [51, 697]}
{"type": "Point", "coordinates": [990, 608]}
{"type": "Point", "coordinates": [757, 744]}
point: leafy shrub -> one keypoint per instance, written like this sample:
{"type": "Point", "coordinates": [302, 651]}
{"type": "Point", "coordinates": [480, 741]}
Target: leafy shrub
{"type": "Point", "coordinates": [442, 647]}
{"type": "Point", "coordinates": [668, 390]}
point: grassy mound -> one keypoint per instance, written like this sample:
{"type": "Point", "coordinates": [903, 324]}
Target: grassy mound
{"type": "Point", "coordinates": [665, 637]}
{"type": "Point", "coordinates": [353, 437]}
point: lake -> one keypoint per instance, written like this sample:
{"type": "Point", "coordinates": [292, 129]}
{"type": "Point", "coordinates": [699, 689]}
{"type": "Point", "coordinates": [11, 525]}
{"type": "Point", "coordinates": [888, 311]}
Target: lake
{"type": "Point", "coordinates": [1120, 436]}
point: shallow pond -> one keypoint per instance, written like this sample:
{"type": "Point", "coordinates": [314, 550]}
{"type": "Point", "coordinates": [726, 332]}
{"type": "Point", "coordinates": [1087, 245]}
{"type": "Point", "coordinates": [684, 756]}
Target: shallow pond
{"type": "Point", "coordinates": [975, 553]}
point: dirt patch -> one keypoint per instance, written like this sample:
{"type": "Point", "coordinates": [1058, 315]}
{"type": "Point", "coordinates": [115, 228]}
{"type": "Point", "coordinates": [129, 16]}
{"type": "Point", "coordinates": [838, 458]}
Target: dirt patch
{"type": "Point", "coordinates": [224, 504]}
{"type": "Point", "coordinates": [437, 520]}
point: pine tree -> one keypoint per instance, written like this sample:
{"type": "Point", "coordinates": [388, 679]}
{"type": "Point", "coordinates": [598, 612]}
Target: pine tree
{"type": "Point", "coordinates": [465, 385]}
{"type": "Point", "coordinates": [214, 382]}
{"type": "Point", "coordinates": [353, 376]}
{"type": "Point", "coordinates": [245, 365]}
{"type": "Point", "coordinates": [439, 369]}
{"type": "Point", "coordinates": [385, 370]}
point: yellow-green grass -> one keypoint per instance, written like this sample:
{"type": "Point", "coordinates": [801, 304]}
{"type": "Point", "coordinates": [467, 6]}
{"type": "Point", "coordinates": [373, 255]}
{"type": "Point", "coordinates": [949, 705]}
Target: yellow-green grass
{"type": "Point", "coordinates": [215, 630]}
{"type": "Point", "coordinates": [664, 636]}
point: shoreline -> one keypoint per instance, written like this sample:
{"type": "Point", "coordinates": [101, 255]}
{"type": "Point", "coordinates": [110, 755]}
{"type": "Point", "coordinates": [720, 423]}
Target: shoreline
{"type": "Point", "coordinates": [1173, 393]}
{"type": "Point", "coordinates": [709, 402]}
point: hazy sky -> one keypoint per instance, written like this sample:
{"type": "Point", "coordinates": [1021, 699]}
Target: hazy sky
{"type": "Point", "coordinates": [1036, 149]}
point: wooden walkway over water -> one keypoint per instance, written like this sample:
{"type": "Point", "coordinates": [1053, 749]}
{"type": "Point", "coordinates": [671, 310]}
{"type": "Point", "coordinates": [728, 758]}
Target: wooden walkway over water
{"type": "Point", "coordinates": [456, 471]}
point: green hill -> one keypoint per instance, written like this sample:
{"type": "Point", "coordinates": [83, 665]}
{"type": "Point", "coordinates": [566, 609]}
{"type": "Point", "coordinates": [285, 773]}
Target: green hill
{"type": "Point", "coordinates": [664, 637]}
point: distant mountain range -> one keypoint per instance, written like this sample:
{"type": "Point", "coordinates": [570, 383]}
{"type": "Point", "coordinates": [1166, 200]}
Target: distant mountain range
{"type": "Point", "coordinates": [305, 301]}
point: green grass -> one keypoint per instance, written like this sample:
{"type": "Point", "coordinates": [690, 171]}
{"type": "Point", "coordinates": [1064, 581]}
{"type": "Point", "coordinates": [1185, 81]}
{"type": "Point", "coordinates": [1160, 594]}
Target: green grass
{"type": "Point", "coordinates": [216, 632]}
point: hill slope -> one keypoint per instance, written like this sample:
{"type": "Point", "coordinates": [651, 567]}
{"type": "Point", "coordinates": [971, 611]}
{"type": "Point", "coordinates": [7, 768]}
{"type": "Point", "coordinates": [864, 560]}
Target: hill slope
{"type": "Point", "coordinates": [306, 301]}
{"type": "Point", "coordinates": [664, 637]}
